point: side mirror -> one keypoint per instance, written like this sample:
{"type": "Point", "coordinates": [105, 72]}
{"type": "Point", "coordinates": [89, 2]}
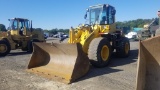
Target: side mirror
{"type": "Point", "coordinates": [85, 16]}
{"type": "Point", "coordinates": [31, 26]}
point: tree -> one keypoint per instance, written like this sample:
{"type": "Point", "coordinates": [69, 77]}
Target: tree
{"type": "Point", "coordinates": [46, 30]}
{"type": "Point", "coordinates": [53, 31]}
{"type": "Point", "coordinates": [134, 23]}
{"type": "Point", "coordinates": [2, 27]}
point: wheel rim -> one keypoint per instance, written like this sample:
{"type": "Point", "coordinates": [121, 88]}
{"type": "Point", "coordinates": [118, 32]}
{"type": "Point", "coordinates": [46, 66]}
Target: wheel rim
{"type": "Point", "coordinates": [105, 53]}
{"type": "Point", "coordinates": [126, 48]}
{"type": "Point", "coordinates": [3, 48]}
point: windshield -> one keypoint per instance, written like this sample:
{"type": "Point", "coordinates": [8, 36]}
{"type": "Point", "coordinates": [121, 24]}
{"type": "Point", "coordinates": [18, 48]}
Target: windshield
{"type": "Point", "coordinates": [22, 23]}
{"type": "Point", "coordinates": [13, 24]}
{"type": "Point", "coordinates": [94, 15]}
{"type": "Point", "coordinates": [102, 16]}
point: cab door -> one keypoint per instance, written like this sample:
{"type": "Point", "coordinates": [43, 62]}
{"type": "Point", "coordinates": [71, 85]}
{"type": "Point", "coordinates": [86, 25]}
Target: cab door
{"type": "Point", "coordinates": [27, 31]}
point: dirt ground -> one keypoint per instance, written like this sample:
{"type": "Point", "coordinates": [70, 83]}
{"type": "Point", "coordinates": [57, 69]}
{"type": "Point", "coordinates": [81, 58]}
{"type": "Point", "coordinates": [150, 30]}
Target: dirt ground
{"type": "Point", "coordinates": [119, 75]}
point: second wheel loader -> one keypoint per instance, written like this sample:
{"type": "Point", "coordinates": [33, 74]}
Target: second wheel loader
{"type": "Point", "coordinates": [88, 43]}
{"type": "Point", "coordinates": [19, 36]}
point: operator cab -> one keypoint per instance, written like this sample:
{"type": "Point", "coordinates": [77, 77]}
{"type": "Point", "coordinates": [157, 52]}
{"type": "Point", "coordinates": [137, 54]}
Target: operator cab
{"type": "Point", "coordinates": [101, 14]}
{"type": "Point", "coordinates": [19, 26]}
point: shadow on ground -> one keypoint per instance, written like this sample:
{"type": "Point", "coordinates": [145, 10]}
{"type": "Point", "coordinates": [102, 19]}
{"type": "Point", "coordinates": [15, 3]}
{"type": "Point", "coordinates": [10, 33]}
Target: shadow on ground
{"type": "Point", "coordinates": [17, 53]}
{"type": "Point", "coordinates": [115, 61]}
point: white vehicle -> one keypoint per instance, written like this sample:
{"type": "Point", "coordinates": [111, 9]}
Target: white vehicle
{"type": "Point", "coordinates": [66, 36]}
{"type": "Point", "coordinates": [131, 35]}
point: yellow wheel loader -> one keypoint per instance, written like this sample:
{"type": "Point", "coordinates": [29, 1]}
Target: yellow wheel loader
{"type": "Point", "coordinates": [88, 43]}
{"type": "Point", "coordinates": [19, 36]}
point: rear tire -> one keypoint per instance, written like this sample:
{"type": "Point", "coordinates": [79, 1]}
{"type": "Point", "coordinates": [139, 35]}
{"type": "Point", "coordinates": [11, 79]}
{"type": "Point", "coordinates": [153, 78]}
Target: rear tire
{"type": "Point", "coordinates": [25, 49]}
{"type": "Point", "coordinates": [99, 52]}
{"type": "Point", "coordinates": [7, 48]}
{"type": "Point", "coordinates": [124, 48]}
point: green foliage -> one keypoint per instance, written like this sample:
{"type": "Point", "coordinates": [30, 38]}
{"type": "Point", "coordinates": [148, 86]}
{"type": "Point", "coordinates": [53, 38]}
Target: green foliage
{"type": "Point", "coordinates": [127, 26]}
{"type": "Point", "coordinates": [55, 31]}
{"type": "Point", "coordinates": [139, 23]}
{"type": "Point", "coordinates": [2, 27]}
{"type": "Point", "coordinates": [46, 31]}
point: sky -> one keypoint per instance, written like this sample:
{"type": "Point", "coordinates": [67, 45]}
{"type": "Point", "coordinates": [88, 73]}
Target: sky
{"type": "Point", "coordinates": [62, 14]}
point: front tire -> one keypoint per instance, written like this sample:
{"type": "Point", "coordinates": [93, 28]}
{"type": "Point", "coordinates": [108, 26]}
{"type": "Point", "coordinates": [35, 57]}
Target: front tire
{"type": "Point", "coordinates": [30, 45]}
{"type": "Point", "coordinates": [5, 48]}
{"type": "Point", "coordinates": [99, 52]}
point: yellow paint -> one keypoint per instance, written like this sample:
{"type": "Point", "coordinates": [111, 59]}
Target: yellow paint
{"type": "Point", "coordinates": [85, 34]}
{"type": "Point", "coordinates": [105, 53]}
{"type": "Point", "coordinates": [126, 48]}
{"type": "Point", "coordinates": [14, 32]}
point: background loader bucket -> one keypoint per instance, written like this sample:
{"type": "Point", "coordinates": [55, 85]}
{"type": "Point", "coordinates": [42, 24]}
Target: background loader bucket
{"type": "Point", "coordinates": [148, 76]}
{"type": "Point", "coordinates": [62, 62]}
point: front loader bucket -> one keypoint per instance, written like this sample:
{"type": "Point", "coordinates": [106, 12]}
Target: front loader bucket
{"type": "Point", "coordinates": [62, 62]}
{"type": "Point", "coordinates": [148, 76]}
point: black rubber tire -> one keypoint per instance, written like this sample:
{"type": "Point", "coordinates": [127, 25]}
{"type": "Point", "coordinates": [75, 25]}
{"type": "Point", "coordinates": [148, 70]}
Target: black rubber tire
{"type": "Point", "coordinates": [8, 47]}
{"type": "Point", "coordinates": [120, 51]}
{"type": "Point", "coordinates": [25, 49]}
{"type": "Point", "coordinates": [30, 46]}
{"type": "Point", "coordinates": [94, 52]}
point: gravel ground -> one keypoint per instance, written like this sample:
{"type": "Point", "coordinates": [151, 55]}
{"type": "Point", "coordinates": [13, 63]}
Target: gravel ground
{"type": "Point", "coordinates": [119, 75]}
